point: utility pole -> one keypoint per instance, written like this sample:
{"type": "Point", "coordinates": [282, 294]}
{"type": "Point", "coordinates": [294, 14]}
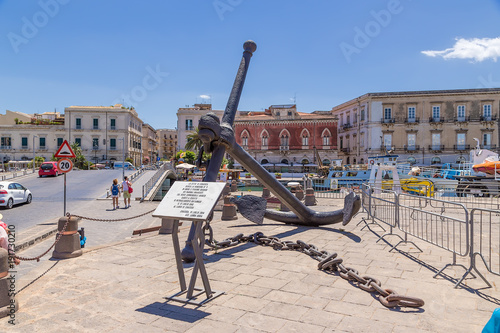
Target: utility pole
{"type": "Point", "coordinates": [34, 136]}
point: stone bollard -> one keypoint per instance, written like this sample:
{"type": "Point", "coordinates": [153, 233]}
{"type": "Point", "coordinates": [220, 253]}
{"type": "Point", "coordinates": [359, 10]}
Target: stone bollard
{"type": "Point", "coordinates": [266, 193]}
{"type": "Point", "coordinates": [8, 303]}
{"type": "Point", "coordinates": [227, 190]}
{"type": "Point", "coordinates": [229, 210]}
{"type": "Point", "coordinates": [310, 198]}
{"type": "Point", "coordinates": [167, 226]}
{"type": "Point", "coordinates": [299, 193]}
{"type": "Point", "coordinates": [234, 186]}
{"type": "Point", "coordinates": [69, 243]}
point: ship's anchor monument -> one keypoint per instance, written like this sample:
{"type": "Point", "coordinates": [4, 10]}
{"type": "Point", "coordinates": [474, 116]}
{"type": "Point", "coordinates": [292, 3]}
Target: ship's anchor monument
{"type": "Point", "coordinates": [218, 137]}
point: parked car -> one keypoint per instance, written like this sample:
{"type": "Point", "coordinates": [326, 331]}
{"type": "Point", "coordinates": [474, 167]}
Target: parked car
{"type": "Point", "coordinates": [12, 193]}
{"type": "Point", "coordinates": [49, 169]}
{"type": "Point", "coordinates": [119, 165]}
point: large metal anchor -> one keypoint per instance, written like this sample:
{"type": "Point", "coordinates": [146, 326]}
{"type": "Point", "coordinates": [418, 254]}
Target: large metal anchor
{"type": "Point", "coordinates": [218, 136]}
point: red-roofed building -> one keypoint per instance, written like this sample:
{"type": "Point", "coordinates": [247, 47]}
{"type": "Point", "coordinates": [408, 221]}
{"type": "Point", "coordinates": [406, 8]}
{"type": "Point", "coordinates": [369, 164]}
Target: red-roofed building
{"type": "Point", "coordinates": [281, 137]}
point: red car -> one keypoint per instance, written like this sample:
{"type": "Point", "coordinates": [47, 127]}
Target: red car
{"type": "Point", "coordinates": [49, 169]}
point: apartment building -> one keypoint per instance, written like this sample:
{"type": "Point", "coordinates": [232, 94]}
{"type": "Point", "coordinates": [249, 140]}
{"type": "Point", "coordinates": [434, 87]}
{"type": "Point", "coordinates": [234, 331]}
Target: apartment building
{"type": "Point", "coordinates": [167, 143]}
{"type": "Point", "coordinates": [423, 127]}
{"type": "Point", "coordinates": [187, 121]}
{"type": "Point", "coordinates": [281, 138]}
{"type": "Point", "coordinates": [149, 144]}
{"type": "Point", "coordinates": [105, 133]}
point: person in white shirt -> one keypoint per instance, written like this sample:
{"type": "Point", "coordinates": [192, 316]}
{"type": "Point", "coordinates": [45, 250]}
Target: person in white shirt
{"type": "Point", "coordinates": [126, 195]}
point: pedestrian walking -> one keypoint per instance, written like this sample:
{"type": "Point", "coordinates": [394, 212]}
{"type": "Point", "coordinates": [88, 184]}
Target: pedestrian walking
{"type": "Point", "coordinates": [115, 192]}
{"type": "Point", "coordinates": [126, 186]}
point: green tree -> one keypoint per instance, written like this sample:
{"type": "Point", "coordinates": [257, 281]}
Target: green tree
{"type": "Point", "coordinates": [79, 161]}
{"type": "Point", "coordinates": [188, 156]}
{"type": "Point", "coordinates": [128, 159]}
{"type": "Point", "coordinates": [193, 140]}
{"type": "Point", "coordinates": [38, 160]}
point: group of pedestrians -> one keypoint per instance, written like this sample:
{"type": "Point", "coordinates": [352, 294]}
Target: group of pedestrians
{"type": "Point", "coordinates": [116, 190]}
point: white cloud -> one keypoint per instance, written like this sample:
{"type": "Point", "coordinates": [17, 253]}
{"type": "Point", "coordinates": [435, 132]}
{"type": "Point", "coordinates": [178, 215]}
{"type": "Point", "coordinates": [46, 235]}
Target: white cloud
{"type": "Point", "coordinates": [205, 96]}
{"type": "Point", "coordinates": [476, 49]}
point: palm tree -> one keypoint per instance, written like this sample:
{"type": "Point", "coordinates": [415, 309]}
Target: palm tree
{"type": "Point", "coordinates": [193, 141]}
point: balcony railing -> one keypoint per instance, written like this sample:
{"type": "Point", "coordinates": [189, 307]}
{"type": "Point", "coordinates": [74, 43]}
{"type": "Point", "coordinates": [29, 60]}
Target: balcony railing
{"type": "Point", "coordinates": [112, 148]}
{"type": "Point", "coordinates": [5, 147]}
{"type": "Point", "coordinates": [489, 118]}
{"type": "Point", "coordinates": [489, 146]}
{"type": "Point", "coordinates": [436, 119]}
{"type": "Point", "coordinates": [388, 120]}
{"type": "Point", "coordinates": [411, 148]}
{"type": "Point", "coordinates": [436, 147]}
{"type": "Point", "coordinates": [345, 150]}
{"type": "Point", "coordinates": [461, 147]}
{"type": "Point", "coordinates": [24, 147]}
{"type": "Point", "coordinates": [78, 127]}
{"type": "Point", "coordinates": [284, 148]}
{"type": "Point", "coordinates": [412, 120]}
{"type": "Point", "coordinates": [112, 127]}
{"type": "Point", "coordinates": [462, 119]}
{"type": "Point", "coordinates": [189, 128]}
{"type": "Point", "coordinates": [346, 126]}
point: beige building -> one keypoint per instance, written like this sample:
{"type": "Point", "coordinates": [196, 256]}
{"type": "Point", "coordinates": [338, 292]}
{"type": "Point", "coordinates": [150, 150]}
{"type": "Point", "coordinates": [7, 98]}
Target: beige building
{"type": "Point", "coordinates": [422, 127]}
{"type": "Point", "coordinates": [187, 121]}
{"type": "Point", "coordinates": [167, 139]}
{"type": "Point", "coordinates": [105, 133]}
{"type": "Point", "coordinates": [149, 144]}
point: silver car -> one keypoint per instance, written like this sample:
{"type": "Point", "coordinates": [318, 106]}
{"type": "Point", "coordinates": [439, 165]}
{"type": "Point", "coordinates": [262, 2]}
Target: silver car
{"type": "Point", "coordinates": [12, 193]}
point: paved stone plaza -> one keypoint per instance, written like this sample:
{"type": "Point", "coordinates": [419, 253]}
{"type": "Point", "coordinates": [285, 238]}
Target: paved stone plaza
{"type": "Point", "coordinates": [120, 286]}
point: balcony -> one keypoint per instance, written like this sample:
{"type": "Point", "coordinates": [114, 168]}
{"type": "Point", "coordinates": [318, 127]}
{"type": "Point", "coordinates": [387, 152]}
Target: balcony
{"type": "Point", "coordinates": [436, 120]}
{"type": "Point", "coordinates": [493, 147]}
{"type": "Point", "coordinates": [436, 147]}
{"type": "Point", "coordinates": [489, 118]}
{"type": "Point", "coordinates": [112, 148]}
{"type": "Point", "coordinates": [411, 148]}
{"type": "Point", "coordinates": [345, 150]}
{"type": "Point", "coordinates": [5, 147]}
{"type": "Point", "coordinates": [78, 127]}
{"type": "Point", "coordinates": [412, 120]}
{"type": "Point", "coordinates": [112, 127]}
{"type": "Point", "coordinates": [24, 147]}
{"type": "Point", "coordinates": [284, 148]}
{"type": "Point", "coordinates": [189, 128]}
{"type": "Point", "coordinates": [388, 120]}
{"type": "Point", "coordinates": [462, 119]}
{"type": "Point", "coordinates": [346, 126]}
{"type": "Point", "coordinates": [461, 147]}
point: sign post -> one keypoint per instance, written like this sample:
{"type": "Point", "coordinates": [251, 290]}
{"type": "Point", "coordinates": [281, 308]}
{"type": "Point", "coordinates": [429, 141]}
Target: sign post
{"type": "Point", "coordinates": [64, 164]}
{"type": "Point", "coordinates": [192, 201]}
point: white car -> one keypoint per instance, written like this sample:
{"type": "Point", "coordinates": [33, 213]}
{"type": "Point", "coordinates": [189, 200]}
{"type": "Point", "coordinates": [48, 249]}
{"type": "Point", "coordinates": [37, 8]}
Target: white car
{"type": "Point", "coordinates": [12, 193]}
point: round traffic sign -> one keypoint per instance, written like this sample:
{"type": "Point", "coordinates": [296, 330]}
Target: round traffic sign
{"type": "Point", "coordinates": [65, 165]}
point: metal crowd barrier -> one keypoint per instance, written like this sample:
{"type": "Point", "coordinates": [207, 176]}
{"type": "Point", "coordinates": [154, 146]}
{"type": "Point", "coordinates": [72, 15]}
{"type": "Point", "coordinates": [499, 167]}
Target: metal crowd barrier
{"type": "Point", "coordinates": [322, 189]}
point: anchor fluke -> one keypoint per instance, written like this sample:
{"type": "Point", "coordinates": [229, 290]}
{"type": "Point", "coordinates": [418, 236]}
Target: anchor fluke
{"type": "Point", "coordinates": [251, 207]}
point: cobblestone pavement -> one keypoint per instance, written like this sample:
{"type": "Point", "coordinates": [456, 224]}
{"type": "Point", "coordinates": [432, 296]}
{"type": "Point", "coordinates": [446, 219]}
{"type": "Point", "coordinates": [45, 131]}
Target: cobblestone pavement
{"type": "Point", "coordinates": [120, 287]}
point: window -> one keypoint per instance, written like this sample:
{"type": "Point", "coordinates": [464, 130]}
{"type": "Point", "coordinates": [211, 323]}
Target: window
{"type": "Point", "coordinates": [411, 114]}
{"type": "Point", "coordinates": [487, 111]}
{"type": "Point", "coordinates": [189, 125]}
{"type": "Point", "coordinates": [78, 124]}
{"type": "Point", "coordinates": [326, 140]}
{"type": "Point", "coordinates": [78, 141]}
{"type": "Point", "coordinates": [95, 143]}
{"type": "Point", "coordinates": [461, 112]}
{"type": "Point", "coordinates": [436, 110]}
{"type": "Point", "coordinates": [348, 120]}
{"type": "Point", "coordinates": [112, 144]}
{"type": "Point", "coordinates": [487, 140]}
{"type": "Point", "coordinates": [362, 114]}
{"type": "Point", "coordinates": [341, 142]}
{"type": "Point", "coordinates": [264, 140]}
{"type": "Point", "coordinates": [435, 160]}
{"type": "Point", "coordinates": [244, 140]}
{"type": "Point", "coordinates": [59, 142]}
{"type": "Point", "coordinates": [387, 113]}
{"type": "Point", "coordinates": [460, 159]}
{"type": "Point", "coordinates": [42, 143]}
{"type": "Point", "coordinates": [436, 141]}
{"type": "Point", "coordinates": [387, 141]}
{"type": "Point", "coordinates": [412, 138]}
{"type": "Point", "coordinates": [24, 142]}
{"type": "Point", "coordinates": [95, 123]}
{"type": "Point", "coordinates": [284, 140]}
{"type": "Point", "coordinates": [305, 140]}
{"type": "Point", "coordinates": [113, 124]}
{"type": "Point", "coordinates": [412, 160]}
{"type": "Point", "coordinates": [461, 141]}
{"type": "Point", "coordinates": [5, 142]}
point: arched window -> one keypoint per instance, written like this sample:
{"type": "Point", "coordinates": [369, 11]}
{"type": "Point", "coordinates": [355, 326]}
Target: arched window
{"type": "Point", "coordinates": [284, 161]}
{"type": "Point", "coordinates": [244, 138]}
{"type": "Point", "coordinates": [305, 161]}
{"type": "Point", "coordinates": [435, 160]}
{"type": "Point", "coordinates": [460, 159]}
{"type": "Point", "coordinates": [305, 137]}
{"type": "Point", "coordinates": [325, 137]}
{"type": "Point", "coordinates": [264, 161]}
{"type": "Point", "coordinates": [284, 139]}
{"type": "Point", "coordinates": [264, 138]}
{"type": "Point", "coordinates": [412, 160]}
{"type": "Point", "coordinates": [326, 162]}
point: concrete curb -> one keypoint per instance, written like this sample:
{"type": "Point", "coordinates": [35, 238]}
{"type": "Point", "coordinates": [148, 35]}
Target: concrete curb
{"type": "Point", "coordinates": [36, 235]}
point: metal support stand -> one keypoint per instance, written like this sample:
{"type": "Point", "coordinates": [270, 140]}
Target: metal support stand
{"type": "Point", "coordinates": [454, 263]}
{"type": "Point", "coordinates": [406, 241]}
{"type": "Point", "coordinates": [190, 296]}
{"type": "Point", "coordinates": [367, 225]}
{"type": "Point", "coordinates": [473, 267]}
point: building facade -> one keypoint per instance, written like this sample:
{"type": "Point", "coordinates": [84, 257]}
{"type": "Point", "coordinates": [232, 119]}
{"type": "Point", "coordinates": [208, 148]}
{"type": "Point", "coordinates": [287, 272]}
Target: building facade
{"type": "Point", "coordinates": [423, 127]}
{"type": "Point", "coordinates": [281, 138]}
{"type": "Point", "coordinates": [187, 121]}
{"type": "Point", "coordinates": [105, 133]}
{"type": "Point", "coordinates": [149, 144]}
{"type": "Point", "coordinates": [167, 143]}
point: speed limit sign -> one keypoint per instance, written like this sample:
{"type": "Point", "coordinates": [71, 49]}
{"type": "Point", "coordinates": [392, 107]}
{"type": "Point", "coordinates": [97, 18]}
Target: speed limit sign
{"type": "Point", "coordinates": [65, 165]}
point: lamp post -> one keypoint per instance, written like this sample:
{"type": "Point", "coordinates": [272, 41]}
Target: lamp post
{"type": "Point", "coordinates": [34, 136]}
{"type": "Point", "coordinates": [123, 152]}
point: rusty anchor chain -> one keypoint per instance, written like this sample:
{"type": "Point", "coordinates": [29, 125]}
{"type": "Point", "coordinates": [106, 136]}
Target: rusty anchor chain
{"type": "Point", "coordinates": [329, 262]}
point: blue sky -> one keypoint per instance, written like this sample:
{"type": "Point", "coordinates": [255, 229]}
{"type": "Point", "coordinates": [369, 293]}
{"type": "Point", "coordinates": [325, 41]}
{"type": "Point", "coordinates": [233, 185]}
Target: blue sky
{"type": "Point", "coordinates": [159, 55]}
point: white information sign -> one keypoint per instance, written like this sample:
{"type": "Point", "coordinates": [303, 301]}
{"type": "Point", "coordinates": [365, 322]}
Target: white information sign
{"type": "Point", "coordinates": [189, 200]}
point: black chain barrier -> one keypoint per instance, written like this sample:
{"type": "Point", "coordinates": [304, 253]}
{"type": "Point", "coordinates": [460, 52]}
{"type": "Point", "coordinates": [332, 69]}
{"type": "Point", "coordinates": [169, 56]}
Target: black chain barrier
{"type": "Point", "coordinates": [327, 262]}
{"type": "Point", "coordinates": [113, 220]}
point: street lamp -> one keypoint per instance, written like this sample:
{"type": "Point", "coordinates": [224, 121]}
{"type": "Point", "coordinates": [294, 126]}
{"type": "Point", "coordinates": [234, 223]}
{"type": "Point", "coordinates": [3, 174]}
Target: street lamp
{"type": "Point", "coordinates": [123, 151]}
{"type": "Point", "coordinates": [34, 136]}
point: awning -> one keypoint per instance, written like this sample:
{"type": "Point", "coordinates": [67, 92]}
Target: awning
{"type": "Point", "coordinates": [281, 165]}
{"type": "Point", "coordinates": [185, 166]}
{"type": "Point", "coordinates": [310, 165]}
